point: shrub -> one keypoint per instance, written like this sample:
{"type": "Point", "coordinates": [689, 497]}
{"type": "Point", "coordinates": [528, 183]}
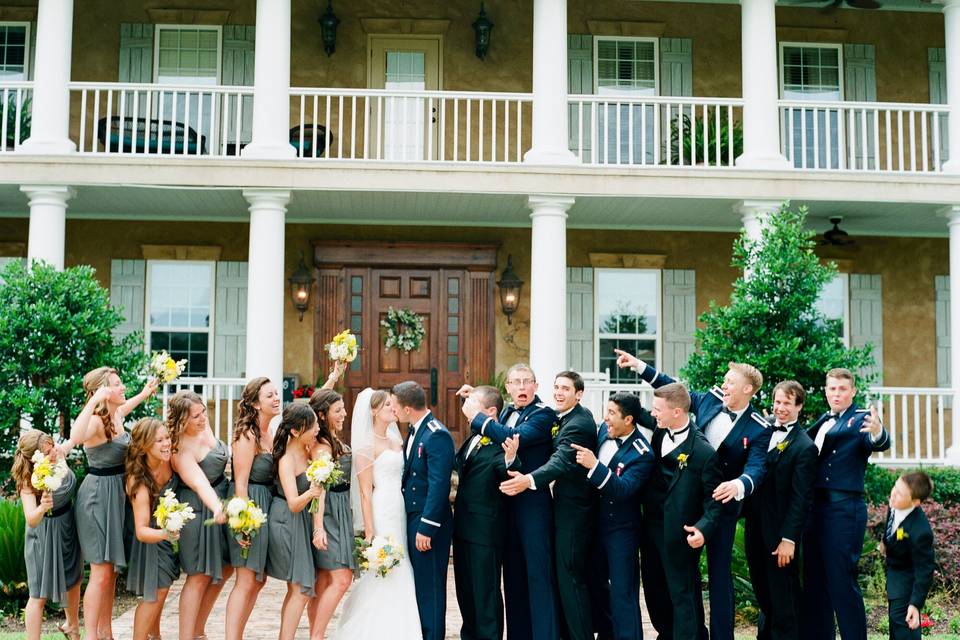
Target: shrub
{"type": "Point", "coordinates": [13, 571]}
{"type": "Point", "coordinates": [879, 480]}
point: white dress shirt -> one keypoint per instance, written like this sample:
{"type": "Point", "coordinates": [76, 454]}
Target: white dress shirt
{"type": "Point", "coordinates": [473, 444]}
{"type": "Point", "coordinates": [899, 515]}
{"type": "Point", "coordinates": [779, 436]}
{"type": "Point", "coordinates": [669, 444]}
{"type": "Point", "coordinates": [720, 427]}
{"type": "Point", "coordinates": [822, 433]}
{"type": "Point", "coordinates": [413, 433]}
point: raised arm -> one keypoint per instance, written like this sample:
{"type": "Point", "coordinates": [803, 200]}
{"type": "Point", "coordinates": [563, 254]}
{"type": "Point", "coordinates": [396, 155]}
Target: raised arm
{"type": "Point", "coordinates": [533, 430]}
{"type": "Point", "coordinates": [87, 424]}
{"type": "Point", "coordinates": [148, 390]}
{"type": "Point", "coordinates": [335, 374]}
{"type": "Point", "coordinates": [564, 459]}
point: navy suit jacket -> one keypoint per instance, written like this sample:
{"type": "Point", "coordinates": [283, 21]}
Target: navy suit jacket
{"type": "Point", "coordinates": [620, 482]}
{"type": "Point", "coordinates": [426, 476]}
{"type": "Point", "coordinates": [743, 453]}
{"type": "Point", "coordinates": [843, 458]}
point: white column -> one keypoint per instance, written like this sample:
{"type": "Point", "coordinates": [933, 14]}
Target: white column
{"type": "Point", "coordinates": [548, 286]}
{"type": "Point", "coordinates": [271, 83]}
{"type": "Point", "coordinates": [48, 221]}
{"type": "Point", "coordinates": [754, 214]}
{"type": "Point", "coordinates": [761, 114]}
{"type": "Point", "coordinates": [266, 285]}
{"type": "Point", "coordinates": [50, 130]}
{"type": "Point", "coordinates": [550, 84]}
{"type": "Point", "coordinates": [952, 214]}
{"type": "Point", "coordinates": [951, 23]}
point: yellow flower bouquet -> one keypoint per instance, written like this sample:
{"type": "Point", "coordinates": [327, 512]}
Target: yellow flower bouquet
{"type": "Point", "coordinates": [325, 472]}
{"type": "Point", "coordinates": [343, 347]}
{"type": "Point", "coordinates": [244, 518]}
{"type": "Point", "coordinates": [47, 475]}
{"type": "Point", "coordinates": [171, 514]}
{"type": "Point", "coordinates": [164, 368]}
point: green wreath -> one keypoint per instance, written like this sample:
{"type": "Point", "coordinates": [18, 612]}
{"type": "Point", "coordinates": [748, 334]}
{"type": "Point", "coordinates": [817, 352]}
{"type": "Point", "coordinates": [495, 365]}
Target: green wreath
{"type": "Point", "coordinates": [404, 330]}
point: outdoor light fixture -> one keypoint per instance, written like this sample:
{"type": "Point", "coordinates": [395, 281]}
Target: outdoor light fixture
{"type": "Point", "coordinates": [300, 284]}
{"type": "Point", "coordinates": [510, 286]}
{"type": "Point", "coordinates": [328, 29]}
{"type": "Point", "coordinates": [482, 28]}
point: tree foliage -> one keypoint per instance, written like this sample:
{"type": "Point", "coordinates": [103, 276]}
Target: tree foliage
{"type": "Point", "coordinates": [772, 321]}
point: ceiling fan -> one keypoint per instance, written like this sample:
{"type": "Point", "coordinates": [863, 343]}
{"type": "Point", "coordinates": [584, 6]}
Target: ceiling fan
{"type": "Point", "coordinates": [836, 237]}
{"type": "Point", "coordinates": [854, 4]}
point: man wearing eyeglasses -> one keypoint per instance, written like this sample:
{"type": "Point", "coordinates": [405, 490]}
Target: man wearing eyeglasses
{"type": "Point", "coordinates": [528, 557]}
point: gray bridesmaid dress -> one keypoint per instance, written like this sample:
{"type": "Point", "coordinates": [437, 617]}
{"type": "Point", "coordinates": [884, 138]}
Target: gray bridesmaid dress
{"type": "Point", "coordinates": [203, 549]}
{"type": "Point", "coordinates": [51, 549]}
{"type": "Point", "coordinates": [338, 523]}
{"type": "Point", "coordinates": [153, 566]}
{"type": "Point", "coordinates": [258, 489]}
{"type": "Point", "coordinates": [291, 539]}
{"type": "Point", "coordinates": [101, 503]}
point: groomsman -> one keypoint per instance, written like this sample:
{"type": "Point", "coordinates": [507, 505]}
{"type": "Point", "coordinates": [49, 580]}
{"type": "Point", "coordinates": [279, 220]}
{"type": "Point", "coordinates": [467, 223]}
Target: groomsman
{"type": "Point", "coordinates": [846, 436]}
{"type": "Point", "coordinates": [574, 501]}
{"type": "Point", "coordinates": [478, 523]}
{"type": "Point", "coordinates": [740, 436]}
{"type": "Point", "coordinates": [777, 514]}
{"type": "Point", "coordinates": [428, 464]}
{"type": "Point", "coordinates": [680, 516]}
{"type": "Point", "coordinates": [621, 466]}
{"type": "Point", "coordinates": [528, 577]}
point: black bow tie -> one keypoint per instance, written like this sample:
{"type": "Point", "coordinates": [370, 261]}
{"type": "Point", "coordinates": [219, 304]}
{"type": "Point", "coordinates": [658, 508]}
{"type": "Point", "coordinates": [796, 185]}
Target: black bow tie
{"type": "Point", "coordinates": [673, 435]}
{"type": "Point", "coordinates": [732, 414]}
{"type": "Point", "coordinates": [620, 441]}
{"type": "Point", "coordinates": [783, 427]}
{"type": "Point", "coordinates": [833, 416]}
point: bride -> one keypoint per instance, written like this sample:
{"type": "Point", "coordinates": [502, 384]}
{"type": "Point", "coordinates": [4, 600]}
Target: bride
{"type": "Point", "coordinates": [379, 607]}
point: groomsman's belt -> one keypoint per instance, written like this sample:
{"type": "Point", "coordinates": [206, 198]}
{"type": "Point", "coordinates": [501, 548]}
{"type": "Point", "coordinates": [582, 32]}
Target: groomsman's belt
{"type": "Point", "coordinates": [340, 488]}
{"type": "Point", "coordinates": [106, 471]}
{"type": "Point", "coordinates": [59, 511]}
{"type": "Point", "coordinates": [836, 495]}
{"type": "Point", "coordinates": [219, 481]}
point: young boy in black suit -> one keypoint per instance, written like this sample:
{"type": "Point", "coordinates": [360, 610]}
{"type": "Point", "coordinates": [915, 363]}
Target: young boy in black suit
{"type": "Point", "coordinates": [908, 544]}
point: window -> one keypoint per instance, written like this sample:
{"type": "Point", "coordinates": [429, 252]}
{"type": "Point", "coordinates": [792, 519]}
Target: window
{"type": "Point", "coordinates": [14, 53]}
{"type": "Point", "coordinates": [180, 312]}
{"type": "Point", "coordinates": [812, 73]}
{"type": "Point", "coordinates": [628, 318]}
{"type": "Point", "coordinates": [625, 69]}
{"type": "Point", "coordinates": [834, 304]}
{"type": "Point", "coordinates": [189, 56]}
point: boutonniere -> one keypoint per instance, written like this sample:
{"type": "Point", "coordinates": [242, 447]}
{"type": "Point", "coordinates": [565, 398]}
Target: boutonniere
{"type": "Point", "coordinates": [682, 460]}
{"type": "Point", "coordinates": [420, 450]}
{"type": "Point", "coordinates": [745, 443]}
{"type": "Point", "coordinates": [554, 430]}
{"type": "Point", "coordinates": [901, 534]}
{"type": "Point", "coordinates": [782, 445]}
{"type": "Point", "coordinates": [619, 469]}
{"type": "Point", "coordinates": [484, 441]}
{"type": "Point", "coordinates": [850, 422]}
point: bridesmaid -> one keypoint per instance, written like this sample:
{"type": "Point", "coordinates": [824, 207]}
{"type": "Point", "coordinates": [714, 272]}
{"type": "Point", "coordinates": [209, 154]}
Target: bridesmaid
{"type": "Point", "coordinates": [291, 525]}
{"type": "Point", "coordinates": [51, 550]}
{"type": "Point", "coordinates": [253, 478]}
{"type": "Point", "coordinates": [333, 541]}
{"type": "Point", "coordinates": [199, 459]}
{"type": "Point", "coordinates": [153, 562]}
{"type": "Point", "coordinates": [101, 499]}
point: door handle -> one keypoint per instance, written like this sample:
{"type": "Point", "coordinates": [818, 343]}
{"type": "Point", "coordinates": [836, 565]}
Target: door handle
{"type": "Point", "coordinates": [433, 117]}
{"type": "Point", "coordinates": [433, 387]}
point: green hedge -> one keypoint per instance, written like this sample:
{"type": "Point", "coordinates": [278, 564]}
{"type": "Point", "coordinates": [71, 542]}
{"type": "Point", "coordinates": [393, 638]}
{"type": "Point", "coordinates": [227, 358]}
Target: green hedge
{"type": "Point", "coordinates": [879, 480]}
{"type": "Point", "coordinates": [13, 571]}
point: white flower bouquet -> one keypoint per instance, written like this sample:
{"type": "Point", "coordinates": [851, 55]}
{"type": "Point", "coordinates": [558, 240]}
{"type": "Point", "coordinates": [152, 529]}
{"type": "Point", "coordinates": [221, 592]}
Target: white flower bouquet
{"type": "Point", "coordinates": [47, 475]}
{"type": "Point", "coordinates": [171, 514]}
{"type": "Point", "coordinates": [244, 518]}
{"type": "Point", "coordinates": [325, 472]}
{"type": "Point", "coordinates": [164, 368]}
{"type": "Point", "coordinates": [380, 556]}
{"type": "Point", "coordinates": [343, 347]}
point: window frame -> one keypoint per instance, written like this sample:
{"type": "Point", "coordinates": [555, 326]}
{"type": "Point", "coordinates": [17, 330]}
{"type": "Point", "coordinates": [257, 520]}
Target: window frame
{"type": "Point", "coordinates": [812, 45]}
{"type": "Point", "coordinates": [656, 59]}
{"type": "Point", "coordinates": [598, 336]}
{"type": "Point", "coordinates": [211, 327]}
{"type": "Point", "coordinates": [26, 45]}
{"type": "Point", "coordinates": [179, 27]}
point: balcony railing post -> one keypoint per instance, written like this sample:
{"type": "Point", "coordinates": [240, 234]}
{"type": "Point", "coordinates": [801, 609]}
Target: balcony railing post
{"type": "Point", "coordinates": [951, 23]}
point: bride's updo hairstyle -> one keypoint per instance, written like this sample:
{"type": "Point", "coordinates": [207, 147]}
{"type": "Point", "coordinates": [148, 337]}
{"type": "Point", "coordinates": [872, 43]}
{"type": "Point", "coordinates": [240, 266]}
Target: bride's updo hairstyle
{"type": "Point", "coordinates": [296, 417]}
{"type": "Point", "coordinates": [377, 399]}
{"type": "Point", "coordinates": [321, 402]}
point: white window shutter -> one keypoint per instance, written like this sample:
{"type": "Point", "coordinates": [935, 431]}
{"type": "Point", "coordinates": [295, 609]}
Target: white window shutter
{"type": "Point", "coordinates": [860, 85]}
{"type": "Point", "coordinates": [128, 292]}
{"type": "Point", "coordinates": [580, 81]}
{"type": "Point", "coordinates": [679, 318]}
{"type": "Point", "coordinates": [32, 53]}
{"type": "Point", "coordinates": [238, 57]}
{"type": "Point", "coordinates": [937, 70]}
{"type": "Point", "coordinates": [676, 67]}
{"type": "Point", "coordinates": [866, 317]}
{"type": "Point", "coordinates": [230, 329]}
{"type": "Point", "coordinates": [136, 52]}
{"type": "Point", "coordinates": [942, 286]}
{"type": "Point", "coordinates": [580, 319]}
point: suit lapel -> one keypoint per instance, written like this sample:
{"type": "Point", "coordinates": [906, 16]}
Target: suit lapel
{"type": "Point", "coordinates": [686, 448]}
{"type": "Point", "coordinates": [418, 436]}
{"type": "Point", "coordinates": [623, 448]}
{"type": "Point", "coordinates": [842, 423]}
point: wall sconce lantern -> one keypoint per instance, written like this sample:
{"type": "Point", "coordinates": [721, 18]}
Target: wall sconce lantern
{"type": "Point", "coordinates": [328, 29]}
{"type": "Point", "coordinates": [301, 282]}
{"type": "Point", "coordinates": [510, 285]}
{"type": "Point", "coordinates": [482, 28]}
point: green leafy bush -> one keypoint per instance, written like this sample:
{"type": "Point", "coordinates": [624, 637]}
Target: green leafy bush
{"type": "Point", "coordinates": [13, 571]}
{"type": "Point", "coordinates": [879, 480]}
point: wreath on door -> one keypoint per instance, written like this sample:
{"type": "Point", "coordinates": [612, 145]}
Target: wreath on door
{"type": "Point", "coordinates": [404, 330]}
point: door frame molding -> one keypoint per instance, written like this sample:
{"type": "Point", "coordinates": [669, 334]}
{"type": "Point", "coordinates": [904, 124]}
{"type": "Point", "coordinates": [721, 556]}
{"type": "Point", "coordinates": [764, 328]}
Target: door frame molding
{"type": "Point", "coordinates": [472, 257]}
{"type": "Point", "coordinates": [436, 37]}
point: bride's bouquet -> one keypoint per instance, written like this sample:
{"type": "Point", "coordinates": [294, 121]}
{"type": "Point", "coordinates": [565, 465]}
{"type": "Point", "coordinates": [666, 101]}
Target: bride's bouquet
{"type": "Point", "coordinates": [323, 472]}
{"type": "Point", "coordinates": [47, 475]}
{"type": "Point", "coordinates": [380, 556]}
{"type": "Point", "coordinates": [343, 347]}
{"type": "Point", "coordinates": [171, 514]}
{"type": "Point", "coordinates": [164, 368]}
{"type": "Point", "coordinates": [244, 518]}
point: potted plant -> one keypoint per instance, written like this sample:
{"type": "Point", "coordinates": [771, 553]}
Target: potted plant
{"type": "Point", "coordinates": [25, 120]}
{"type": "Point", "coordinates": [692, 138]}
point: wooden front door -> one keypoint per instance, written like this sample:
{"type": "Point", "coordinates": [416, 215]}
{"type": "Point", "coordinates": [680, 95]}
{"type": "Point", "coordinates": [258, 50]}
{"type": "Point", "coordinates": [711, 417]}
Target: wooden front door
{"type": "Point", "coordinates": [449, 286]}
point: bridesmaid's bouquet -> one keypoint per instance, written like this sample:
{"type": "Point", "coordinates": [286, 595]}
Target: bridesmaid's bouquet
{"type": "Point", "coordinates": [343, 347]}
{"type": "Point", "coordinates": [380, 556]}
{"type": "Point", "coordinates": [171, 515]}
{"type": "Point", "coordinates": [244, 518]}
{"type": "Point", "coordinates": [164, 368]}
{"type": "Point", "coordinates": [323, 472]}
{"type": "Point", "coordinates": [47, 475]}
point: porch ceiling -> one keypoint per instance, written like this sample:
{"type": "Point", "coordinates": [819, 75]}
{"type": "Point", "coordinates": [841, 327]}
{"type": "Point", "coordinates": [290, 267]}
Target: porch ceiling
{"type": "Point", "coordinates": [471, 209]}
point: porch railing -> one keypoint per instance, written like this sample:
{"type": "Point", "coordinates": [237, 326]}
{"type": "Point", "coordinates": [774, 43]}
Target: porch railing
{"type": "Point", "coordinates": [655, 131]}
{"type": "Point", "coordinates": [428, 126]}
{"type": "Point", "coordinates": [864, 136]}
{"type": "Point", "coordinates": [15, 114]}
{"type": "Point", "coordinates": [221, 396]}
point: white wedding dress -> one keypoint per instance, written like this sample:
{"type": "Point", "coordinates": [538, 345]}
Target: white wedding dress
{"type": "Point", "coordinates": [384, 607]}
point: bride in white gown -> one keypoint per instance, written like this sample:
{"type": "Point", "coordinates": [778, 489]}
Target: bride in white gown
{"type": "Point", "coordinates": [379, 607]}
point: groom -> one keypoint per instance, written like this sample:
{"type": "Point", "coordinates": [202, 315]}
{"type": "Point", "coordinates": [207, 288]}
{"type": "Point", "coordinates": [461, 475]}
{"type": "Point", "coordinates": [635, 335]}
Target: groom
{"type": "Point", "coordinates": [428, 464]}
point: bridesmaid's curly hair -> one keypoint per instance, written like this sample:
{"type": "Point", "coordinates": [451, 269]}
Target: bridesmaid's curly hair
{"type": "Point", "coordinates": [248, 422]}
{"type": "Point", "coordinates": [320, 402]}
{"type": "Point", "coordinates": [100, 377]}
{"type": "Point", "coordinates": [178, 413]}
{"type": "Point", "coordinates": [296, 417]}
{"type": "Point", "coordinates": [138, 474]}
{"type": "Point", "coordinates": [30, 442]}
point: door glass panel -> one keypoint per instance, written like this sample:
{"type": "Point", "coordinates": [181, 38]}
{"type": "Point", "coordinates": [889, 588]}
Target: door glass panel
{"type": "Point", "coordinates": [626, 70]}
{"type": "Point", "coordinates": [404, 117]}
{"type": "Point", "coordinates": [812, 74]}
{"type": "Point", "coordinates": [189, 56]}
